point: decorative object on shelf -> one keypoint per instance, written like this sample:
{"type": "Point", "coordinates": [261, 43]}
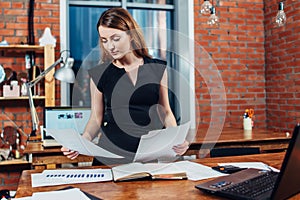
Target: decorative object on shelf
{"type": "Point", "coordinates": [22, 78]}
{"type": "Point", "coordinates": [2, 74]}
{"type": "Point", "coordinates": [12, 90]}
{"type": "Point", "coordinates": [213, 19]}
{"type": "Point", "coordinates": [12, 139]}
{"type": "Point", "coordinates": [4, 43]}
{"type": "Point", "coordinates": [280, 19]}
{"type": "Point", "coordinates": [10, 75]}
{"type": "Point", "coordinates": [47, 36]}
{"type": "Point", "coordinates": [205, 7]}
{"type": "Point", "coordinates": [65, 74]}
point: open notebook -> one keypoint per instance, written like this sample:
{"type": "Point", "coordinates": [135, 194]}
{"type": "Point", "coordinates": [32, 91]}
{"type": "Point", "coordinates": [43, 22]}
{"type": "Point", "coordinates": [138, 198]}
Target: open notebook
{"type": "Point", "coordinates": [262, 184]}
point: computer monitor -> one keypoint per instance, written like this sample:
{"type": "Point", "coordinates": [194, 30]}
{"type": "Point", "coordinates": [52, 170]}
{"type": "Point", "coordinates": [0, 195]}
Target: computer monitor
{"type": "Point", "coordinates": [61, 117]}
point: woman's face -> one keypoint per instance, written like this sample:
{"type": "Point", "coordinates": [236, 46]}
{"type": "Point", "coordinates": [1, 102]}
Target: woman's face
{"type": "Point", "coordinates": [115, 41]}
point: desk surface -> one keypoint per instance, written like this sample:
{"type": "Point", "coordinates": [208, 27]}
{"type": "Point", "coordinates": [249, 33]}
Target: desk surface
{"type": "Point", "coordinates": [239, 135]}
{"type": "Point", "coordinates": [178, 189]}
{"type": "Point", "coordinates": [266, 140]}
{"type": "Point", "coordinates": [50, 157]}
{"type": "Point", "coordinates": [37, 147]}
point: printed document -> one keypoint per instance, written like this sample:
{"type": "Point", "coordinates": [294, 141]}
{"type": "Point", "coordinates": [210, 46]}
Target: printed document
{"type": "Point", "coordinates": [157, 144]}
{"type": "Point", "coordinates": [70, 139]}
{"type": "Point", "coordinates": [70, 176]}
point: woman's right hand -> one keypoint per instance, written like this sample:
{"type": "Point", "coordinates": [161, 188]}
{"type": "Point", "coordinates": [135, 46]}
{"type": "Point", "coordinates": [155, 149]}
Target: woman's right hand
{"type": "Point", "coordinates": [69, 153]}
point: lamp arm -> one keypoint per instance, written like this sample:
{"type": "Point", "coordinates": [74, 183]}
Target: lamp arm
{"type": "Point", "coordinates": [29, 85]}
{"type": "Point", "coordinates": [34, 117]}
{"type": "Point", "coordinates": [44, 73]}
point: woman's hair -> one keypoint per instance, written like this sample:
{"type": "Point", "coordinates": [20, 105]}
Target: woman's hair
{"type": "Point", "coordinates": [119, 18]}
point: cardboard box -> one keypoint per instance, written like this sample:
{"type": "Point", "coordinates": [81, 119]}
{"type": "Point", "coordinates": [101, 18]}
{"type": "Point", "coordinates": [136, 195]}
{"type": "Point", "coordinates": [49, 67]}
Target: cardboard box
{"type": "Point", "coordinates": [11, 91]}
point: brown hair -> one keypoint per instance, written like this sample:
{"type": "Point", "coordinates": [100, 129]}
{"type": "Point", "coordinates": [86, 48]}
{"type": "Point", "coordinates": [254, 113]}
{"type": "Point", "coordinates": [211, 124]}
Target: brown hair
{"type": "Point", "coordinates": [119, 18]}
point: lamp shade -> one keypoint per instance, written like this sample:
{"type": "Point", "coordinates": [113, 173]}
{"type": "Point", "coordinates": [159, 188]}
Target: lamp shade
{"type": "Point", "coordinates": [65, 74]}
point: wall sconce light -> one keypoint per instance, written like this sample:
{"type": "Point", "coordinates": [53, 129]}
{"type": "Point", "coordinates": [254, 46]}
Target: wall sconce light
{"type": "Point", "coordinates": [205, 7]}
{"type": "Point", "coordinates": [280, 19]}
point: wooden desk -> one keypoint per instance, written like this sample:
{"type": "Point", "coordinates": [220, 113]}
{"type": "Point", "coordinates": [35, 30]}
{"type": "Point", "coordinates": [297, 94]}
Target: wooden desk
{"type": "Point", "coordinates": [267, 140]}
{"type": "Point", "coordinates": [145, 189]}
{"type": "Point", "coordinates": [41, 157]}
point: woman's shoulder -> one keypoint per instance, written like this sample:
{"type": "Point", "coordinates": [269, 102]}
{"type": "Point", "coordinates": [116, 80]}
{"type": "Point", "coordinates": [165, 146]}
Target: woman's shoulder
{"type": "Point", "coordinates": [155, 60]}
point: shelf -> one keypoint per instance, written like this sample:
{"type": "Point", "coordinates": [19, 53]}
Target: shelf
{"type": "Point", "coordinates": [14, 162]}
{"type": "Point", "coordinates": [20, 98]}
{"type": "Point", "coordinates": [22, 48]}
{"type": "Point", "coordinates": [48, 52]}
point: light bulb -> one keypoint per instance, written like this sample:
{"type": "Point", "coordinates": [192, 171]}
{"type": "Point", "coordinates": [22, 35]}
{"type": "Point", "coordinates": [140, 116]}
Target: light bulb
{"type": "Point", "coordinates": [280, 17]}
{"type": "Point", "coordinates": [205, 7]}
{"type": "Point", "coordinates": [213, 20]}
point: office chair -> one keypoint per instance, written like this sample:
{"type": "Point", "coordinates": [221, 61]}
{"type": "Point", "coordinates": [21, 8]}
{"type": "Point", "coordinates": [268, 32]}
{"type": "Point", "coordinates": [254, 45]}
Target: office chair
{"type": "Point", "coordinates": [222, 152]}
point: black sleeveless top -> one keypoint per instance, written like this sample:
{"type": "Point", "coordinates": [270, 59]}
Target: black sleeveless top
{"type": "Point", "coordinates": [130, 111]}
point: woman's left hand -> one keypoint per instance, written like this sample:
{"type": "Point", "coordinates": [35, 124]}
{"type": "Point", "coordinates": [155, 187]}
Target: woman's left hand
{"type": "Point", "coordinates": [180, 149]}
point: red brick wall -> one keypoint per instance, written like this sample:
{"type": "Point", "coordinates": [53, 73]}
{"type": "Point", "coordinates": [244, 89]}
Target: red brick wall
{"type": "Point", "coordinates": [283, 66]}
{"type": "Point", "coordinates": [13, 29]}
{"type": "Point", "coordinates": [237, 50]}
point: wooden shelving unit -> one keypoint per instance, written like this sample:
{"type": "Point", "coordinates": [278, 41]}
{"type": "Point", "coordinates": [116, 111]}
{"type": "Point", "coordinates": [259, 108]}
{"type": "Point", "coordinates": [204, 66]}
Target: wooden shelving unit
{"type": "Point", "coordinates": [49, 58]}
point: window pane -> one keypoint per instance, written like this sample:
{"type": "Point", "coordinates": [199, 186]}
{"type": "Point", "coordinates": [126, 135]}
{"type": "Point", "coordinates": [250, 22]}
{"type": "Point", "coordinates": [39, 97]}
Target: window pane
{"type": "Point", "coordinates": [156, 38]}
{"type": "Point", "coordinates": [84, 42]}
{"type": "Point", "coordinates": [84, 49]}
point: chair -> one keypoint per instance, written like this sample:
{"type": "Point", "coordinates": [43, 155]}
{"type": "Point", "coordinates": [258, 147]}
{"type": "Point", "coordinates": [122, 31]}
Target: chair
{"type": "Point", "coordinates": [222, 152]}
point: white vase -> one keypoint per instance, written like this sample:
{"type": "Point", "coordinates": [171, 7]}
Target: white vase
{"type": "Point", "coordinates": [24, 89]}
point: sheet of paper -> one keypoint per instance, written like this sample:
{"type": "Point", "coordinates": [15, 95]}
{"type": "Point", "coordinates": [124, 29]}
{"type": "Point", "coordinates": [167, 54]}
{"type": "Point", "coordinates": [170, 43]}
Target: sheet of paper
{"type": "Point", "coordinates": [70, 176]}
{"type": "Point", "coordinates": [257, 165]}
{"type": "Point", "coordinates": [158, 143]}
{"type": "Point", "coordinates": [196, 171]}
{"type": "Point", "coordinates": [22, 198]}
{"type": "Point", "coordinates": [71, 139]}
{"type": "Point", "coordinates": [74, 194]}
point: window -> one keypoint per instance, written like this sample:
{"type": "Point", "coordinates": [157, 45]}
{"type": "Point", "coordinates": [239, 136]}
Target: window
{"type": "Point", "coordinates": [81, 37]}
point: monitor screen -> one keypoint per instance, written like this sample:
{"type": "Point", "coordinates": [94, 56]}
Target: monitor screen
{"type": "Point", "coordinates": [66, 117]}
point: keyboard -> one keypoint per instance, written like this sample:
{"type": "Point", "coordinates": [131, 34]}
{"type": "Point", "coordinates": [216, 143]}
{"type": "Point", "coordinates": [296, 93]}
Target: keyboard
{"type": "Point", "coordinates": [252, 188]}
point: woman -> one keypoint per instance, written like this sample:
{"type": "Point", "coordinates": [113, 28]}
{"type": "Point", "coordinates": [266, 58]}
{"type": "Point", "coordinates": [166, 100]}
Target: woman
{"type": "Point", "coordinates": [129, 93]}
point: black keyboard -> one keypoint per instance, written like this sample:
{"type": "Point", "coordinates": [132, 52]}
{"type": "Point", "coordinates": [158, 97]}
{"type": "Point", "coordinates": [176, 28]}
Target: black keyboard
{"type": "Point", "coordinates": [253, 187]}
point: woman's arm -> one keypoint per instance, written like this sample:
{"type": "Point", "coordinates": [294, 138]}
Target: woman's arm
{"type": "Point", "coordinates": [169, 119]}
{"type": "Point", "coordinates": [93, 126]}
{"type": "Point", "coordinates": [168, 116]}
{"type": "Point", "coordinates": [94, 123]}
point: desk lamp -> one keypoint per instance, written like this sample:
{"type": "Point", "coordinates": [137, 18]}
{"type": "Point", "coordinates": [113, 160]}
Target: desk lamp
{"type": "Point", "coordinates": [65, 74]}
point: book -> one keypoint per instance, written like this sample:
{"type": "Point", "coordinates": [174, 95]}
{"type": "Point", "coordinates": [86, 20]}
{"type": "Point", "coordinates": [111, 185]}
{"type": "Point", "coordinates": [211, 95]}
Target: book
{"type": "Point", "coordinates": [136, 170]}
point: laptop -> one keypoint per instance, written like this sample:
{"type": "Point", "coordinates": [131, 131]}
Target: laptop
{"type": "Point", "coordinates": [261, 184]}
{"type": "Point", "coordinates": [64, 117]}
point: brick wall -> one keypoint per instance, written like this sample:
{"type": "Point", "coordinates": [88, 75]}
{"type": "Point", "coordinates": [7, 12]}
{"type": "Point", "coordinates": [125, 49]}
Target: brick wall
{"type": "Point", "coordinates": [232, 55]}
{"type": "Point", "coordinates": [283, 66]}
{"type": "Point", "coordinates": [13, 29]}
